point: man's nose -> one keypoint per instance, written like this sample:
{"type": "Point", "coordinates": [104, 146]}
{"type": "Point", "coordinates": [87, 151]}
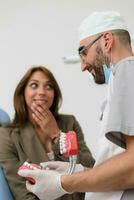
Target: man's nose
{"type": "Point", "coordinates": [84, 66]}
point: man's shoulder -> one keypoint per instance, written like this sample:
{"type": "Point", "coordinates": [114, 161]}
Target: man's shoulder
{"type": "Point", "coordinates": [125, 64]}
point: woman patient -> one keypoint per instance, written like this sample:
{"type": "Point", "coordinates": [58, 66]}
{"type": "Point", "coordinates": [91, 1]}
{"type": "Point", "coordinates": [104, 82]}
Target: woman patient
{"type": "Point", "coordinates": [33, 133]}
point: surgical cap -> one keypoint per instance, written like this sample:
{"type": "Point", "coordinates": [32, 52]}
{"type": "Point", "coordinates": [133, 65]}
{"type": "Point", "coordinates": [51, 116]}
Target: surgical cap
{"type": "Point", "coordinates": [99, 22]}
{"type": "Point", "coordinates": [132, 40]}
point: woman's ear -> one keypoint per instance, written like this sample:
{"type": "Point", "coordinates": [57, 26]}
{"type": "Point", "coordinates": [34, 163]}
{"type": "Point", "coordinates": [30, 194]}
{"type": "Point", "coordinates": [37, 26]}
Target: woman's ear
{"type": "Point", "coordinates": [107, 41]}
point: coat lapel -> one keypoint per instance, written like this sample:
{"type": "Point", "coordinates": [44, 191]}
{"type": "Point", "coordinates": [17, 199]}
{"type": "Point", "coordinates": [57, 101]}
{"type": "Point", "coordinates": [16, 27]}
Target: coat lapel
{"type": "Point", "coordinates": [31, 145]}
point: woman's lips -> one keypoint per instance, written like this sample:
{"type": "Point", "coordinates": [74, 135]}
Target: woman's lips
{"type": "Point", "coordinates": [41, 101]}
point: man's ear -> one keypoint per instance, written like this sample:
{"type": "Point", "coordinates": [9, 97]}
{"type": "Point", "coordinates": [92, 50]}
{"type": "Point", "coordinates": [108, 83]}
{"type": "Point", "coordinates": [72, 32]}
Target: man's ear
{"type": "Point", "coordinates": [107, 41]}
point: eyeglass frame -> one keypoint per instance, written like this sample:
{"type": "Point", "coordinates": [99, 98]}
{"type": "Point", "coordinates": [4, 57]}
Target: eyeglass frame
{"type": "Point", "coordinates": [82, 49]}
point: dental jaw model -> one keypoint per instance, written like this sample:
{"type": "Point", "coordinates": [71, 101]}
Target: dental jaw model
{"type": "Point", "coordinates": [31, 166]}
{"type": "Point", "coordinates": [68, 148]}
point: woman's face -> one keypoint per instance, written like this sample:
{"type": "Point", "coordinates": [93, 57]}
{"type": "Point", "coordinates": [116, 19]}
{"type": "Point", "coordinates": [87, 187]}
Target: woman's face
{"type": "Point", "coordinates": [39, 90]}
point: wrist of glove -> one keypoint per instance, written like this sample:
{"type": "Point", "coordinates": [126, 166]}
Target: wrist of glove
{"type": "Point", "coordinates": [61, 167]}
{"type": "Point", "coordinates": [47, 183]}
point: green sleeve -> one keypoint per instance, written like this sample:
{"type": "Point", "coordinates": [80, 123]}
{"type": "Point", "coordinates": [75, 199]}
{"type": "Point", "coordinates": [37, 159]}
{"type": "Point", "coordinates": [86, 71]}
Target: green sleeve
{"type": "Point", "coordinates": [10, 162]}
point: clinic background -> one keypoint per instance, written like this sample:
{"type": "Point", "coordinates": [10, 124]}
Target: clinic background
{"type": "Point", "coordinates": [42, 32]}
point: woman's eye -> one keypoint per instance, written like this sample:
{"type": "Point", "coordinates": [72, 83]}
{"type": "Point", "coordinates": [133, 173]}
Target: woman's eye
{"type": "Point", "coordinates": [33, 85]}
{"type": "Point", "coordinates": [49, 87]}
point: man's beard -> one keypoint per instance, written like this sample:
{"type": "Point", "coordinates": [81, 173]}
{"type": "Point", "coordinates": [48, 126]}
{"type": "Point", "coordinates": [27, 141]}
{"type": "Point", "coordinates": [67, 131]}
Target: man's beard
{"type": "Point", "coordinates": [99, 60]}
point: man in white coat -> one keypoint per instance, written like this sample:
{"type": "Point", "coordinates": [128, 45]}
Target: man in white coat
{"type": "Point", "coordinates": [104, 39]}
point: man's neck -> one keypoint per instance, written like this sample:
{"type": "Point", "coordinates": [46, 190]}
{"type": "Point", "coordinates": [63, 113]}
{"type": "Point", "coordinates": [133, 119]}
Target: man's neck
{"type": "Point", "coordinates": [120, 53]}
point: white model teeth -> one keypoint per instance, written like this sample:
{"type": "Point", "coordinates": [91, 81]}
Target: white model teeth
{"type": "Point", "coordinates": [63, 143]}
{"type": "Point", "coordinates": [29, 165]}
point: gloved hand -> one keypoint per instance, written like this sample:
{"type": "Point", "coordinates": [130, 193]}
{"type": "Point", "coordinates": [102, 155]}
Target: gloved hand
{"type": "Point", "coordinates": [61, 167]}
{"type": "Point", "coordinates": [47, 183]}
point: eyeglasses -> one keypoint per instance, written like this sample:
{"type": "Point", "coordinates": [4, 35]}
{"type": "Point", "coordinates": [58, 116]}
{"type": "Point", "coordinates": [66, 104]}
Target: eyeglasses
{"type": "Point", "coordinates": [82, 50]}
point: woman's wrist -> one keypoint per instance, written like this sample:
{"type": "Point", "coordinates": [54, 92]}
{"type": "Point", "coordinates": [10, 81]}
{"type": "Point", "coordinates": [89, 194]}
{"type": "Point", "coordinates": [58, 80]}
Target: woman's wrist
{"type": "Point", "coordinates": [50, 155]}
{"type": "Point", "coordinates": [48, 145]}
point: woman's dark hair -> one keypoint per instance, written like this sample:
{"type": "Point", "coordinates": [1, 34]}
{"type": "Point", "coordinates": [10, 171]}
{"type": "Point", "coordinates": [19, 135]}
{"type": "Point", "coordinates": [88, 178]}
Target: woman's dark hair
{"type": "Point", "coordinates": [21, 112]}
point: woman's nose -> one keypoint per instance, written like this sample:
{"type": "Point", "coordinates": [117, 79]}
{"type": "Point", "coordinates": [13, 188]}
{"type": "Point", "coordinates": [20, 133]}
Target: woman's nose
{"type": "Point", "coordinates": [41, 90]}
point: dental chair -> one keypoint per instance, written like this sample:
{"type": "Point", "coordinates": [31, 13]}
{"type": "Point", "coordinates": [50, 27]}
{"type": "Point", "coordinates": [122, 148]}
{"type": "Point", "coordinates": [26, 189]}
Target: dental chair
{"type": "Point", "coordinates": [5, 193]}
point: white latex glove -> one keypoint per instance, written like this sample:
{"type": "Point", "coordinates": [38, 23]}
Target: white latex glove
{"type": "Point", "coordinates": [47, 183]}
{"type": "Point", "coordinates": [61, 167]}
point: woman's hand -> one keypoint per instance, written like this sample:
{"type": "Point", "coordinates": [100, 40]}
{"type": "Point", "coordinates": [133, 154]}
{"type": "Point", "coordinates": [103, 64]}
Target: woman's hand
{"type": "Point", "coordinates": [45, 120]}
